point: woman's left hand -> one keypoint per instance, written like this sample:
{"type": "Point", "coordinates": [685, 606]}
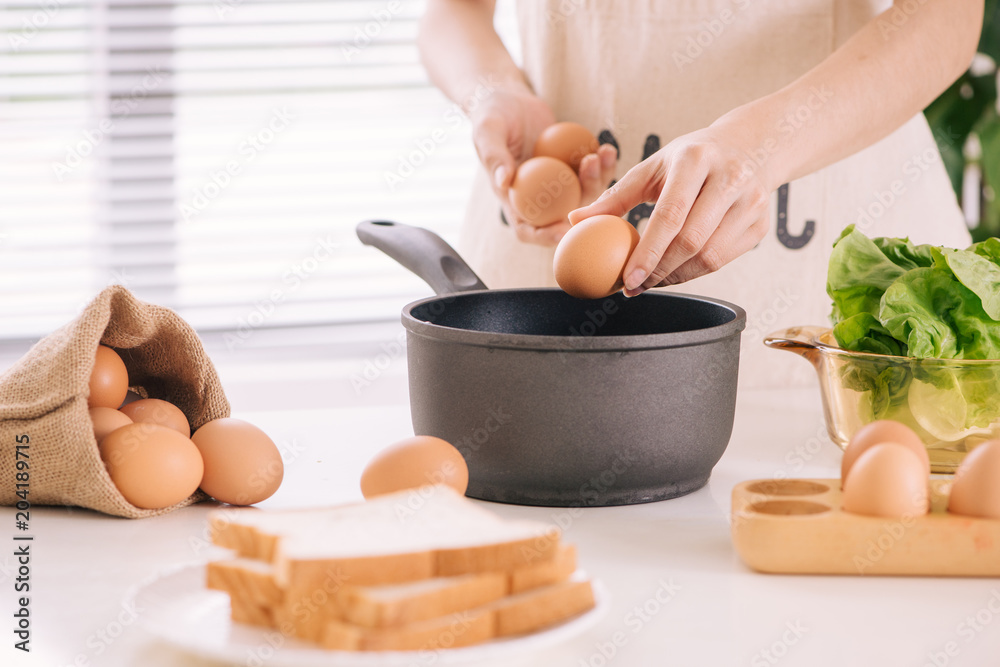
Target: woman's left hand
{"type": "Point", "coordinates": [711, 206]}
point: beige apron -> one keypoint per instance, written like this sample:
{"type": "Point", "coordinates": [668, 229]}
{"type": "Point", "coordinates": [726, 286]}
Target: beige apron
{"type": "Point", "coordinates": [640, 73]}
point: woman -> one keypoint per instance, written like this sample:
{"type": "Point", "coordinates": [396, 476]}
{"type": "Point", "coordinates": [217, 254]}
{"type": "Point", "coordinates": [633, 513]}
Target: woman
{"type": "Point", "coordinates": [760, 129]}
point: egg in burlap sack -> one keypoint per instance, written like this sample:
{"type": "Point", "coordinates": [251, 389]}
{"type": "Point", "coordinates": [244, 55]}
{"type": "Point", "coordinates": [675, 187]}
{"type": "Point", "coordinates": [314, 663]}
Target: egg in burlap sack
{"type": "Point", "coordinates": [43, 400]}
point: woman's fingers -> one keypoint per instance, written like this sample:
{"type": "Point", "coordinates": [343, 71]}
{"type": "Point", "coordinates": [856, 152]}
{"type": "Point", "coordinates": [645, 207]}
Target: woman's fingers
{"type": "Point", "coordinates": [730, 240]}
{"type": "Point", "coordinates": [685, 177]}
{"type": "Point", "coordinates": [609, 160]}
{"type": "Point", "coordinates": [632, 189]}
{"type": "Point", "coordinates": [492, 144]}
{"type": "Point", "coordinates": [718, 195]}
{"type": "Point", "coordinates": [597, 170]}
{"type": "Point", "coordinates": [591, 185]}
{"type": "Point", "coordinates": [708, 209]}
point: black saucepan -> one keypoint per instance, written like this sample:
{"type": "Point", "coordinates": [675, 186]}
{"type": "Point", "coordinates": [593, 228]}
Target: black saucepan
{"type": "Point", "coordinates": [559, 401]}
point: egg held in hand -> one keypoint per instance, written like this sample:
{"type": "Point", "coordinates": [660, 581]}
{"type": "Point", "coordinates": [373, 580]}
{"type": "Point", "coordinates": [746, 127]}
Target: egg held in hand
{"type": "Point", "coordinates": [108, 380]}
{"type": "Point", "coordinates": [591, 257]}
{"type": "Point", "coordinates": [567, 142]}
{"type": "Point", "coordinates": [887, 480]}
{"type": "Point", "coordinates": [151, 465]}
{"type": "Point", "coordinates": [976, 489]}
{"type": "Point", "coordinates": [409, 464]}
{"type": "Point", "coordinates": [544, 191]}
{"type": "Point", "coordinates": [242, 464]}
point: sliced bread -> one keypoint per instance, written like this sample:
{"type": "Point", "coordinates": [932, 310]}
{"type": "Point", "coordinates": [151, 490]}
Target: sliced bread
{"type": "Point", "coordinates": [525, 612]}
{"type": "Point", "coordinates": [400, 537]}
{"type": "Point", "coordinates": [255, 595]}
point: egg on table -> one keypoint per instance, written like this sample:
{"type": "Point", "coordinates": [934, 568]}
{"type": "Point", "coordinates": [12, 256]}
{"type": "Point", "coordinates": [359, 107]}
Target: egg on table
{"type": "Point", "coordinates": [544, 191]}
{"type": "Point", "coordinates": [108, 379]}
{"type": "Point", "coordinates": [242, 464]}
{"type": "Point", "coordinates": [591, 257]}
{"type": "Point", "coordinates": [412, 463]}
{"type": "Point", "coordinates": [567, 142]}
{"type": "Point", "coordinates": [887, 480]}
{"type": "Point", "coordinates": [976, 488]}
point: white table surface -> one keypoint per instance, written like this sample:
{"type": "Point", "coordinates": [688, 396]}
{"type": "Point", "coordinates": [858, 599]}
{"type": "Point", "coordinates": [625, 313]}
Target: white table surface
{"type": "Point", "coordinates": [721, 613]}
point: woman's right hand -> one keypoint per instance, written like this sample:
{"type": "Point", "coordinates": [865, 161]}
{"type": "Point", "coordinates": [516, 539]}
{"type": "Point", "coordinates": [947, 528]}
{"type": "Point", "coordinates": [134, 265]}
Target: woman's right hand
{"type": "Point", "coordinates": [504, 129]}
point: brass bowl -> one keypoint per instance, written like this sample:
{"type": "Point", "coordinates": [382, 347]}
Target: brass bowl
{"type": "Point", "coordinates": [929, 395]}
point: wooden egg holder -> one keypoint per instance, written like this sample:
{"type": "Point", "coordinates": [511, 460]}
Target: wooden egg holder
{"type": "Point", "coordinates": [797, 526]}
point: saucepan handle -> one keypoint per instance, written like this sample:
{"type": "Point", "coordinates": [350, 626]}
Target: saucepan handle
{"type": "Point", "coordinates": [424, 253]}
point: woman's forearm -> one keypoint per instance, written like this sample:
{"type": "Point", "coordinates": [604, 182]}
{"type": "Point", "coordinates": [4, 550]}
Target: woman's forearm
{"type": "Point", "coordinates": [888, 71]}
{"type": "Point", "coordinates": [461, 50]}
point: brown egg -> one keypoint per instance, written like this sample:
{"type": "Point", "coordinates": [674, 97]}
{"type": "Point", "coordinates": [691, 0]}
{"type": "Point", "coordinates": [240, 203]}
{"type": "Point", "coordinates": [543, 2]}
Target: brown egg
{"type": "Point", "coordinates": [412, 463]}
{"type": "Point", "coordinates": [568, 142]}
{"type": "Point", "coordinates": [887, 480]}
{"type": "Point", "coordinates": [153, 466]}
{"type": "Point", "coordinates": [544, 191]}
{"type": "Point", "coordinates": [155, 411]}
{"type": "Point", "coordinates": [976, 489]}
{"type": "Point", "coordinates": [590, 258]}
{"type": "Point", "coordinates": [242, 465]}
{"type": "Point", "coordinates": [106, 420]}
{"type": "Point", "coordinates": [883, 430]}
{"type": "Point", "coordinates": [108, 380]}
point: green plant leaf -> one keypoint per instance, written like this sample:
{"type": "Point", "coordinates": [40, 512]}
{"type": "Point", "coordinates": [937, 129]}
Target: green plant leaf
{"type": "Point", "coordinates": [952, 117]}
{"type": "Point", "coordinates": [989, 41]}
{"type": "Point", "coordinates": [989, 137]}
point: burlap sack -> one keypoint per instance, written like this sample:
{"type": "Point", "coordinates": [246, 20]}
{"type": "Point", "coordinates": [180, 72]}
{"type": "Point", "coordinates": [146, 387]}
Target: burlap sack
{"type": "Point", "coordinates": [44, 396]}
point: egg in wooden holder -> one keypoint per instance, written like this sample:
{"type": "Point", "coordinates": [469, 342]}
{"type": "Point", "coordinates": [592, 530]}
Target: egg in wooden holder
{"type": "Point", "coordinates": [884, 471]}
{"type": "Point", "coordinates": [591, 257]}
{"type": "Point", "coordinates": [976, 489]}
{"type": "Point", "coordinates": [889, 519]}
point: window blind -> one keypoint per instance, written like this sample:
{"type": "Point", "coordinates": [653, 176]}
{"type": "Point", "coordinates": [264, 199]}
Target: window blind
{"type": "Point", "coordinates": [214, 156]}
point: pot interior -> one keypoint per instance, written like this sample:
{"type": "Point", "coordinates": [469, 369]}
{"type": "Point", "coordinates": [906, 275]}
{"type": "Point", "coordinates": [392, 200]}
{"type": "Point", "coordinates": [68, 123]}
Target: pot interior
{"type": "Point", "coordinates": [552, 312]}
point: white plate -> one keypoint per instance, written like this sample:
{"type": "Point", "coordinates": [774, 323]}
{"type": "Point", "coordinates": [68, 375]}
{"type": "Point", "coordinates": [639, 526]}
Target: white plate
{"type": "Point", "coordinates": [178, 609]}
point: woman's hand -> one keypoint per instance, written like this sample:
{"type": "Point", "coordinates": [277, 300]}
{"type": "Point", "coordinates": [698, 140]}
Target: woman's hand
{"type": "Point", "coordinates": [504, 129]}
{"type": "Point", "coordinates": [711, 206]}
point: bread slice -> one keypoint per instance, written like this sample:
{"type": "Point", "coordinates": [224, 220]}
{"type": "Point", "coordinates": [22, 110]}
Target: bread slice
{"type": "Point", "coordinates": [256, 597]}
{"type": "Point", "coordinates": [544, 572]}
{"type": "Point", "coordinates": [389, 605]}
{"type": "Point", "coordinates": [253, 593]}
{"type": "Point", "coordinates": [406, 536]}
{"type": "Point", "coordinates": [251, 580]}
{"type": "Point", "coordinates": [394, 605]}
{"type": "Point", "coordinates": [513, 615]}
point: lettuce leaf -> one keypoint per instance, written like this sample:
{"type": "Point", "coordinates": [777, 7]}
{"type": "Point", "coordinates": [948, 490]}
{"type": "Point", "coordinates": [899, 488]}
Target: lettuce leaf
{"type": "Point", "coordinates": [917, 310]}
{"type": "Point", "coordinates": [858, 275]}
{"type": "Point", "coordinates": [892, 297]}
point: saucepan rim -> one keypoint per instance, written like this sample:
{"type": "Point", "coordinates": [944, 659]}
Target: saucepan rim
{"type": "Point", "coordinates": [571, 342]}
